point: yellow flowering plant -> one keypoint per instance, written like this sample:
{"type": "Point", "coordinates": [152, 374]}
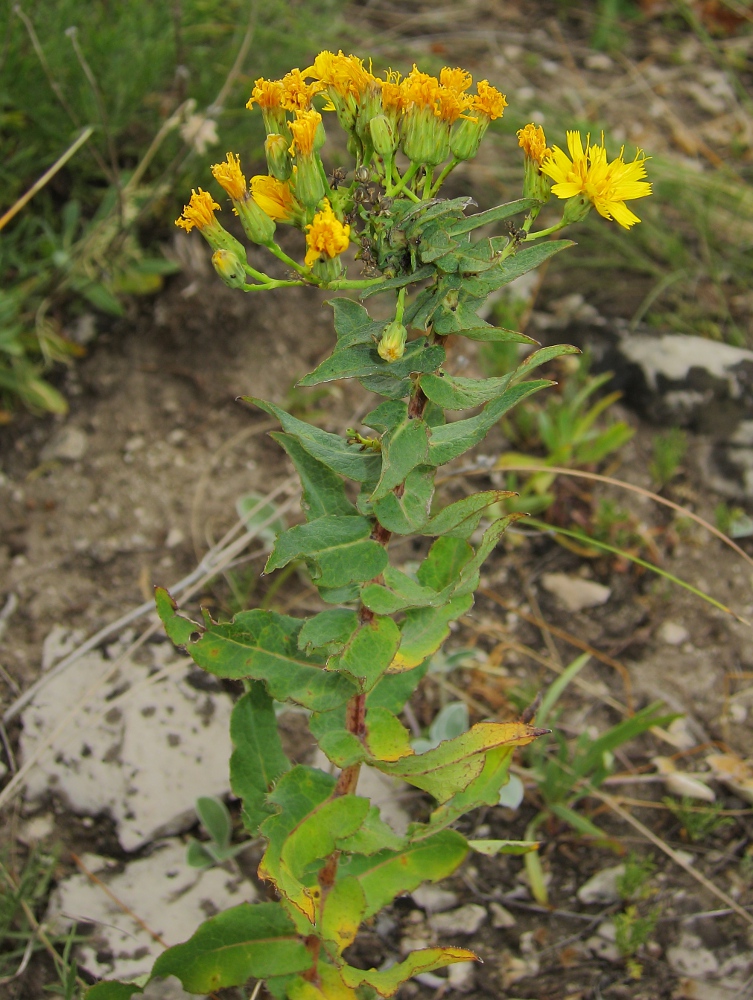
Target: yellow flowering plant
{"type": "Point", "coordinates": [330, 860]}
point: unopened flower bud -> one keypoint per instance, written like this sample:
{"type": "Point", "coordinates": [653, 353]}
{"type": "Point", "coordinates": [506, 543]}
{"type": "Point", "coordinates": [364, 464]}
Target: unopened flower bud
{"type": "Point", "coordinates": [391, 347]}
{"type": "Point", "coordinates": [576, 209]}
{"type": "Point", "coordinates": [257, 225]}
{"type": "Point", "coordinates": [279, 160]}
{"type": "Point", "coordinates": [308, 183]}
{"type": "Point", "coordinates": [229, 268]}
{"type": "Point", "coordinates": [382, 136]}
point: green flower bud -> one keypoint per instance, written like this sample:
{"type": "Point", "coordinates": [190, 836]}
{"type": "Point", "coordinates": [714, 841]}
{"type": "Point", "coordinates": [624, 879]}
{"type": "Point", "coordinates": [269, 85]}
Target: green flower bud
{"type": "Point", "coordinates": [383, 136]}
{"type": "Point", "coordinates": [535, 184]}
{"type": "Point", "coordinates": [391, 347]}
{"type": "Point", "coordinates": [279, 160]}
{"type": "Point", "coordinates": [229, 268]}
{"type": "Point", "coordinates": [576, 209]}
{"type": "Point", "coordinates": [308, 183]}
{"type": "Point", "coordinates": [257, 225]}
{"type": "Point", "coordinates": [426, 138]}
{"type": "Point", "coordinates": [327, 268]}
{"type": "Point", "coordinates": [466, 137]}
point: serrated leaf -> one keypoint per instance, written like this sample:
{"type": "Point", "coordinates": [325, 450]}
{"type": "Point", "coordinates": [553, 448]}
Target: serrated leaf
{"type": "Point", "coordinates": [425, 629]}
{"type": "Point", "coordinates": [328, 629]}
{"type": "Point", "coordinates": [452, 440]}
{"type": "Point", "coordinates": [179, 629]}
{"type": "Point", "coordinates": [387, 981]}
{"type": "Point", "coordinates": [407, 514]}
{"type": "Point", "coordinates": [497, 214]}
{"type": "Point", "coordinates": [403, 449]}
{"type": "Point", "coordinates": [417, 218]}
{"type": "Point", "coordinates": [332, 450]}
{"type": "Point", "coordinates": [342, 913]}
{"type": "Point", "coordinates": [406, 279]}
{"type": "Point", "coordinates": [262, 645]}
{"type": "Point", "coordinates": [353, 325]}
{"type": "Point", "coordinates": [258, 759]}
{"type": "Point", "coordinates": [340, 547]}
{"type": "Point", "coordinates": [386, 737]}
{"type": "Point", "coordinates": [491, 848]}
{"type": "Point", "coordinates": [256, 940]}
{"type": "Point", "coordinates": [388, 874]}
{"type": "Point", "coordinates": [215, 818]}
{"type": "Point", "coordinates": [452, 766]}
{"type": "Point", "coordinates": [460, 519]}
{"type": "Point", "coordinates": [368, 653]}
{"type": "Point", "coordinates": [323, 490]}
{"type": "Point", "coordinates": [523, 261]}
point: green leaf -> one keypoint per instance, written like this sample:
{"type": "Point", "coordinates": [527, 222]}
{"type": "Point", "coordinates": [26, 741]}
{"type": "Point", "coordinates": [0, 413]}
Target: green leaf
{"type": "Point", "coordinates": [386, 982]}
{"type": "Point", "coordinates": [388, 874]}
{"type": "Point", "coordinates": [497, 214]}
{"type": "Point", "coordinates": [369, 652]}
{"type": "Point", "coordinates": [257, 761]}
{"type": "Point", "coordinates": [455, 393]}
{"type": "Point", "coordinates": [256, 940]}
{"type": "Point", "coordinates": [386, 738]}
{"type": "Point", "coordinates": [495, 334]}
{"type": "Point", "coordinates": [113, 991]}
{"type": "Point", "coordinates": [540, 358]}
{"type": "Point", "coordinates": [329, 630]}
{"type": "Point", "coordinates": [363, 360]}
{"type": "Point", "coordinates": [406, 279]}
{"type": "Point", "coordinates": [400, 591]}
{"type": "Point", "coordinates": [425, 629]}
{"type": "Point", "coordinates": [215, 818]}
{"type": "Point", "coordinates": [323, 490]}
{"type": "Point", "coordinates": [407, 514]}
{"type": "Point", "coordinates": [342, 913]}
{"type": "Point", "coordinates": [386, 385]}
{"type": "Point", "coordinates": [454, 439]}
{"type": "Point", "coordinates": [513, 267]}
{"type": "Point", "coordinates": [179, 629]}
{"type": "Point", "coordinates": [491, 848]}
{"type": "Point", "coordinates": [452, 766]}
{"type": "Point", "coordinates": [332, 450]}
{"type": "Point", "coordinates": [393, 690]}
{"type": "Point", "coordinates": [445, 560]}
{"type": "Point", "coordinates": [460, 519]}
{"type": "Point", "coordinates": [353, 325]}
{"type": "Point", "coordinates": [403, 449]}
{"type": "Point", "coordinates": [263, 645]}
{"type": "Point", "coordinates": [373, 835]}
{"type": "Point", "coordinates": [339, 546]}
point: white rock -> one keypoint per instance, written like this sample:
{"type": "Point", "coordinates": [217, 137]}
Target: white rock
{"type": "Point", "coordinates": [171, 898]}
{"type": "Point", "coordinates": [37, 828]}
{"type": "Point", "coordinates": [601, 888]}
{"type": "Point", "coordinates": [434, 899]}
{"type": "Point", "coordinates": [574, 593]}
{"type": "Point", "coordinates": [58, 643]}
{"type": "Point", "coordinates": [690, 958]}
{"type": "Point", "coordinates": [673, 634]}
{"type": "Point", "coordinates": [175, 537]}
{"type": "Point", "coordinates": [501, 917]}
{"type": "Point", "coordinates": [68, 445]}
{"type": "Point", "coordinates": [143, 756]}
{"type": "Point", "coordinates": [465, 920]}
{"type": "Point", "coordinates": [599, 61]}
{"type": "Point", "coordinates": [460, 976]}
{"type": "Point", "coordinates": [601, 948]}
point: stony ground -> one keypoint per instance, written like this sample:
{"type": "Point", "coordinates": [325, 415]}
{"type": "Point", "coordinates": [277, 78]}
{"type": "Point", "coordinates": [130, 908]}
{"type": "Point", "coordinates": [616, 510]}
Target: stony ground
{"type": "Point", "coordinates": [142, 479]}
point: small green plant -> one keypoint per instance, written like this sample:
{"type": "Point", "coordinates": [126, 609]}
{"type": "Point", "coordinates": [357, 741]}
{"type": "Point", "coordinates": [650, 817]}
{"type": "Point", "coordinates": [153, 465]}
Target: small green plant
{"type": "Point", "coordinates": [633, 883]}
{"type": "Point", "coordinates": [733, 521]}
{"type": "Point", "coordinates": [217, 821]}
{"type": "Point", "coordinates": [669, 450]}
{"type": "Point", "coordinates": [330, 859]}
{"type": "Point", "coordinates": [697, 821]}
{"type": "Point", "coordinates": [633, 931]}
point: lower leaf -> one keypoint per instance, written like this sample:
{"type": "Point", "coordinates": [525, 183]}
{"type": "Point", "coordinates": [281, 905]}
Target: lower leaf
{"type": "Point", "coordinates": [387, 981]}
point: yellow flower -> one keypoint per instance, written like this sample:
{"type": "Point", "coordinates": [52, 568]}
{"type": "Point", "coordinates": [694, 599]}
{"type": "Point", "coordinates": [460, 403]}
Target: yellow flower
{"type": "Point", "coordinates": [304, 131]}
{"type": "Point", "coordinates": [325, 235]}
{"type": "Point", "coordinates": [420, 89]}
{"type": "Point", "coordinates": [606, 185]}
{"type": "Point", "coordinates": [393, 102]}
{"type": "Point", "coordinates": [230, 177]}
{"type": "Point", "coordinates": [267, 94]}
{"type": "Point", "coordinates": [488, 100]}
{"type": "Point", "coordinates": [198, 212]}
{"type": "Point", "coordinates": [345, 74]}
{"type": "Point", "coordinates": [533, 142]}
{"type": "Point", "coordinates": [274, 197]}
{"type": "Point", "coordinates": [456, 79]}
{"type": "Point", "coordinates": [296, 93]}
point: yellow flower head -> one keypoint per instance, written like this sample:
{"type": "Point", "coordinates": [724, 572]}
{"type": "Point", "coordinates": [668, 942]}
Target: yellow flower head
{"type": "Point", "coordinates": [325, 235]}
{"type": "Point", "coordinates": [198, 212]}
{"type": "Point", "coordinates": [420, 89]}
{"type": "Point", "coordinates": [451, 104]}
{"type": "Point", "coordinates": [488, 100]}
{"type": "Point", "coordinates": [296, 93]}
{"type": "Point", "coordinates": [392, 93]}
{"type": "Point", "coordinates": [345, 74]}
{"type": "Point", "coordinates": [273, 197]}
{"type": "Point", "coordinates": [456, 79]}
{"type": "Point", "coordinates": [304, 131]}
{"type": "Point", "coordinates": [607, 185]}
{"type": "Point", "coordinates": [267, 94]}
{"type": "Point", "coordinates": [533, 142]}
{"type": "Point", "coordinates": [230, 176]}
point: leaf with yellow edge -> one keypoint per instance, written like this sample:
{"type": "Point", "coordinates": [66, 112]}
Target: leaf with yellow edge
{"type": "Point", "coordinates": [330, 987]}
{"type": "Point", "coordinates": [342, 912]}
{"type": "Point", "coordinates": [425, 629]}
{"type": "Point", "coordinates": [386, 738]}
{"type": "Point", "coordinates": [387, 981]}
{"type": "Point", "coordinates": [454, 764]}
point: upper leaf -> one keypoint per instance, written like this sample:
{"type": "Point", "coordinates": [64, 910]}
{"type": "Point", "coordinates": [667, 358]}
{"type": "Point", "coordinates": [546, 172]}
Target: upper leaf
{"type": "Point", "coordinates": [497, 214]}
{"type": "Point", "coordinates": [323, 490]}
{"type": "Point", "coordinates": [340, 548]}
{"type": "Point", "coordinates": [257, 760]}
{"type": "Point", "coordinates": [368, 653]}
{"type": "Point", "coordinates": [353, 325]}
{"type": "Point", "coordinates": [363, 360]}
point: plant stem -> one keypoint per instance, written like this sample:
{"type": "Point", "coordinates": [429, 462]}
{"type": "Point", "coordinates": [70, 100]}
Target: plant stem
{"type": "Point", "coordinates": [427, 182]}
{"type": "Point", "coordinates": [269, 285]}
{"type": "Point", "coordinates": [400, 305]}
{"type": "Point", "coordinates": [443, 176]}
{"type": "Point", "coordinates": [281, 255]}
{"type": "Point", "coordinates": [546, 232]}
{"type": "Point", "coordinates": [407, 177]}
{"type": "Point", "coordinates": [346, 283]}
